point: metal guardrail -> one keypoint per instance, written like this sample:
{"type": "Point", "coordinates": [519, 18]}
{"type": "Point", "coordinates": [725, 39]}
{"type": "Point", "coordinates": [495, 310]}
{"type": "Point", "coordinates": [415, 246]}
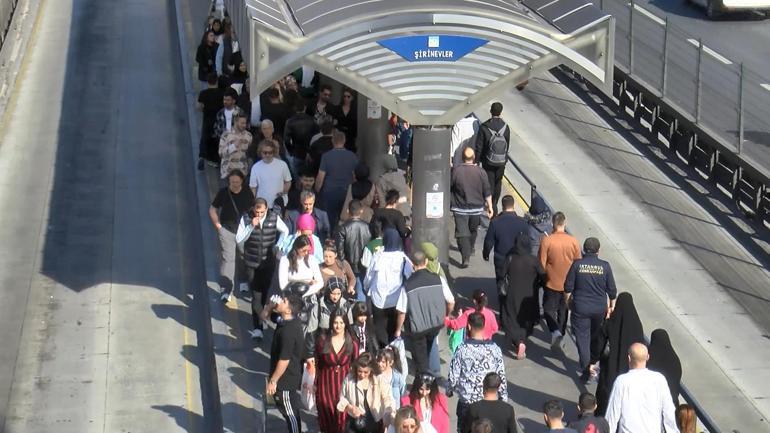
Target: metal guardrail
{"type": "Point", "coordinates": [7, 8]}
{"type": "Point", "coordinates": [711, 111]}
{"type": "Point", "coordinates": [714, 91]}
{"type": "Point", "coordinates": [704, 418]}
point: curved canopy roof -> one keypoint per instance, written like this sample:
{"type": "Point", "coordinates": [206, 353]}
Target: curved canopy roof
{"type": "Point", "coordinates": [427, 60]}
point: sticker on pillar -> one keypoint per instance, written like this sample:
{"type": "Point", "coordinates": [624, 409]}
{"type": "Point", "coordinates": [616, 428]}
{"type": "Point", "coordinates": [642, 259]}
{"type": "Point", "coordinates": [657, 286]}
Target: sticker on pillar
{"type": "Point", "coordinates": [433, 48]}
{"type": "Point", "coordinates": [373, 109]}
{"type": "Point", "coordinates": [434, 205]}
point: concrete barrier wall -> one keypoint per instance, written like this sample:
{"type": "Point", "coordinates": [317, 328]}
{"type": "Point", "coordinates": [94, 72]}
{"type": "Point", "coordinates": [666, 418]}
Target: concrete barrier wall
{"type": "Point", "coordinates": [7, 8]}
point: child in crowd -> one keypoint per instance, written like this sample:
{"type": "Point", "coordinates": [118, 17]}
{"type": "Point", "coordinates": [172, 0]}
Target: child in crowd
{"type": "Point", "coordinates": [480, 306]}
{"type": "Point", "coordinates": [390, 372]}
{"type": "Point", "coordinates": [362, 329]}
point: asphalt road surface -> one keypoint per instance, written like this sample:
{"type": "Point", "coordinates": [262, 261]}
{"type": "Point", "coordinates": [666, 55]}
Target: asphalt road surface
{"type": "Point", "coordinates": [100, 318]}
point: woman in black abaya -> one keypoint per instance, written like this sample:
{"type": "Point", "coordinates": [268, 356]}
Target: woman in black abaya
{"type": "Point", "coordinates": [521, 312]}
{"type": "Point", "coordinates": [664, 360]}
{"type": "Point", "coordinates": [622, 330]}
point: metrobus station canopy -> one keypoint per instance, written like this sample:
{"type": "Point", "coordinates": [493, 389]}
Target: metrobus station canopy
{"type": "Point", "coordinates": [426, 60]}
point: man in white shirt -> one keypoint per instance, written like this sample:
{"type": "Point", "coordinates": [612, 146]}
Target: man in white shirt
{"type": "Point", "coordinates": [463, 135]}
{"type": "Point", "coordinates": [270, 177]}
{"type": "Point", "coordinates": [640, 400]}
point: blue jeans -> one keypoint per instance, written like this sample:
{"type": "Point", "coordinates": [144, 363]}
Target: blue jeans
{"type": "Point", "coordinates": [360, 296]}
{"type": "Point", "coordinates": [434, 360]}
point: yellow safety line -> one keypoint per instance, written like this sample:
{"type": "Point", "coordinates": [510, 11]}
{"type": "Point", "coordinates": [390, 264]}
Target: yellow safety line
{"type": "Point", "coordinates": [188, 375]}
{"type": "Point", "coordinates": [516, 195]}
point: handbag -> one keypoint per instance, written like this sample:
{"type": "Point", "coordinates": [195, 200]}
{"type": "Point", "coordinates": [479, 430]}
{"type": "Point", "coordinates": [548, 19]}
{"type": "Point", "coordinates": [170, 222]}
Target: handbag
{"type": "Point", "coordinates": [364, 423]}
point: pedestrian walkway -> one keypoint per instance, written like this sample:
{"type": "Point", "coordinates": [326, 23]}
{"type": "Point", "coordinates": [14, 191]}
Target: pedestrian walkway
{"type": "Point", "coordinates": [665, 249]}
{"type": "Point", "coordinates": [549, 120]}
{"type": "Point", "coordinates": [543, 375]}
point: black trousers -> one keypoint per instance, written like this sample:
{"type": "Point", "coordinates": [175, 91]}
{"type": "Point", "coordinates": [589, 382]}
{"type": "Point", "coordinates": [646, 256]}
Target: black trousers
{"type": "Point", "coordinates": [421, 344]}
{"type": "Point", "coordinates": [259, 283]}
{"type": "Point", "coordinates": [466, 230]}
{"type": "Point", "coordinates": [384, 320]}
{"type": "Point", "coordinates": [500, 273]}
{"type": "Point", "coordinates": [462, 415]}
{"type": "Point", "coordinates": [555, 310]}
{"type": "Point", "coordinates": [495, 177]}
{"type": "Point", "coordinates": [587, 329]}
{"type": "Point", "coordinates": [289, 405]}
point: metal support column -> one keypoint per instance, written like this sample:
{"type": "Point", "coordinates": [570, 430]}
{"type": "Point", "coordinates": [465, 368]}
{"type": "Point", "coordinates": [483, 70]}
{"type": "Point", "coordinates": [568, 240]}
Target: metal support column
{"type": "Point", "coordinates": [664, 81]}
{"type": "Point", "coordinates": [698, 82]}
{"type": "Point", "coordinates": [372, 128]}
{"type": "Point", "coordinates": [741, 90]}
{"type": "Point", "coordinates": [430, 191]}
{"type": "Point", "coordinates": [631, 6]}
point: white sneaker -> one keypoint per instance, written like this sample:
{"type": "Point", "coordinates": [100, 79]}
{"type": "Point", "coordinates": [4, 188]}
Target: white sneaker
{"type": "Point", "coordinates": [244, 287]}
{"type": "Point", "coordinates": [556, 340]}
{"type": "Point", "coordinates": [225, 296]}
{"type": "Point", "coordinates": [256, 334]}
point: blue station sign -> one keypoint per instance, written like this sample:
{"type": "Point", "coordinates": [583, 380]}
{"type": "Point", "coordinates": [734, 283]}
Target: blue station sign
{"type": "Point", "coordinates": [433, 48]}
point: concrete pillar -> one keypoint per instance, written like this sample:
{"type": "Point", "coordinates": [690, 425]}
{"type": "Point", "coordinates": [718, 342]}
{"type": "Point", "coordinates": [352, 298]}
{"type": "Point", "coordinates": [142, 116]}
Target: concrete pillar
{"type": "Point", "coordinates": [372, 130]}
{"type": "Point", "coordinates": [430, 189]}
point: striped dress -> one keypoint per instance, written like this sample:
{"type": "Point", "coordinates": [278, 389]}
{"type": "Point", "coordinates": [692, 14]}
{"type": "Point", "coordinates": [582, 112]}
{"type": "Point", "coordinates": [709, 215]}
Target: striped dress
{"type": "Point", "coordinates": [331, 370]}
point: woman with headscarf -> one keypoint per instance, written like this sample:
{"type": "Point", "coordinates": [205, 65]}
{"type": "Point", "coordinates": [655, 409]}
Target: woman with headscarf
{"type": "Point", "coordinates": [622, 329]}
{"type": "Point", "coordinates": [664, 360]}
{"type": "Point", "coordinates": [384, 283]}
{"type": "Point", "coordinates": [363, 190]}
{"type": "Point", "coordinates": [433, 265]}
{"type": "Point", "coordinates": [431, 253]}
{"type": "Point", "coordinates": [306, 227]}
{"type": "Point", "coordinates": [520, 312]}
{"type": "Point", "coordinates": [539, 220]}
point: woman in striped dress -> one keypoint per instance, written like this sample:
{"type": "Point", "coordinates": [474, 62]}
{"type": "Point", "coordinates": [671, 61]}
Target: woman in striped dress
{"type": "Point", "coordinates": [335, 352]}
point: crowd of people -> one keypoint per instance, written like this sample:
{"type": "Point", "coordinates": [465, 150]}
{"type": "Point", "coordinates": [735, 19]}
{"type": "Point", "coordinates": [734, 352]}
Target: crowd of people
{"type": "Point", "coordinates": [300, 218]}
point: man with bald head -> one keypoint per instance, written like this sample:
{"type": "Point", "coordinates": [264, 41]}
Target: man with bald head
{"type": "Point", "coordinates": [640, 399]}
{"type": "Point", "coordinates": [471, 198]}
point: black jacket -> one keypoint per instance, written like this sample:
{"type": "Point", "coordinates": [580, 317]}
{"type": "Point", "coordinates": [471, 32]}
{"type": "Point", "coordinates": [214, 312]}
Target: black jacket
{"type": "Point", "coordinates": [470, 187]}
{"type": "Point", "coordinates": [502, 233]}
{"type": "Point", "coordinates": [588, 422]}
{"type": "Point", "coordinates": [297, 133]}
{"type": "Point", "coordinates": [205, 57]}
{"type": "Point", "coordinates": [390, 217]}
{"type": "Point", "coordinates": [590, 281]}
{"type": "Point", "coordinates": [322, 228]}
{"type": "Point", "coordinates": [352, 237]}
{"type": "Point", "coordinates": [483, 137]}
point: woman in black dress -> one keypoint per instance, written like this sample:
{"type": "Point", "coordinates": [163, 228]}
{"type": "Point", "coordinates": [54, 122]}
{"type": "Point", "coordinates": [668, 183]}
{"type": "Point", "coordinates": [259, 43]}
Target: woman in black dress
{"type": "Point", "coordinates": [347, 119]}
{"type": "Point", "coordinates": [205, 57]}
{"type": "Point", "coordinates": [622, 330]}
{"type": "Point", "coordinates": [521, 312]}
{"type": "Point", "coordinates": [664, 360]}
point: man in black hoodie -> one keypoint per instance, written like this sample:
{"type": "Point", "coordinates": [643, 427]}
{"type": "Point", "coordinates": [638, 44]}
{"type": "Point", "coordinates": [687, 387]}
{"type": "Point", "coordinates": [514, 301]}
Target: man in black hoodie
{"type": "Point", "coordinates": [492, 142]}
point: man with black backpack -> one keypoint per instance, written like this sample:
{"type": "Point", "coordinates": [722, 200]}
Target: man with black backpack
{"type": "Point", "coordinates": [492, 142]}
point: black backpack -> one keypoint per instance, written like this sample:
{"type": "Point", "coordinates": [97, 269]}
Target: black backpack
{"type": "Point", "coordinates": [497, 155]}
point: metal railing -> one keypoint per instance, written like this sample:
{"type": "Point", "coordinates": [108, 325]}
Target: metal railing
{"type": "Point", "coordinates": [7, 8]}
{"type": "Point", "coordinates": [715, 92]}
{"type": "Point", "coordinates": [703, 417]}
